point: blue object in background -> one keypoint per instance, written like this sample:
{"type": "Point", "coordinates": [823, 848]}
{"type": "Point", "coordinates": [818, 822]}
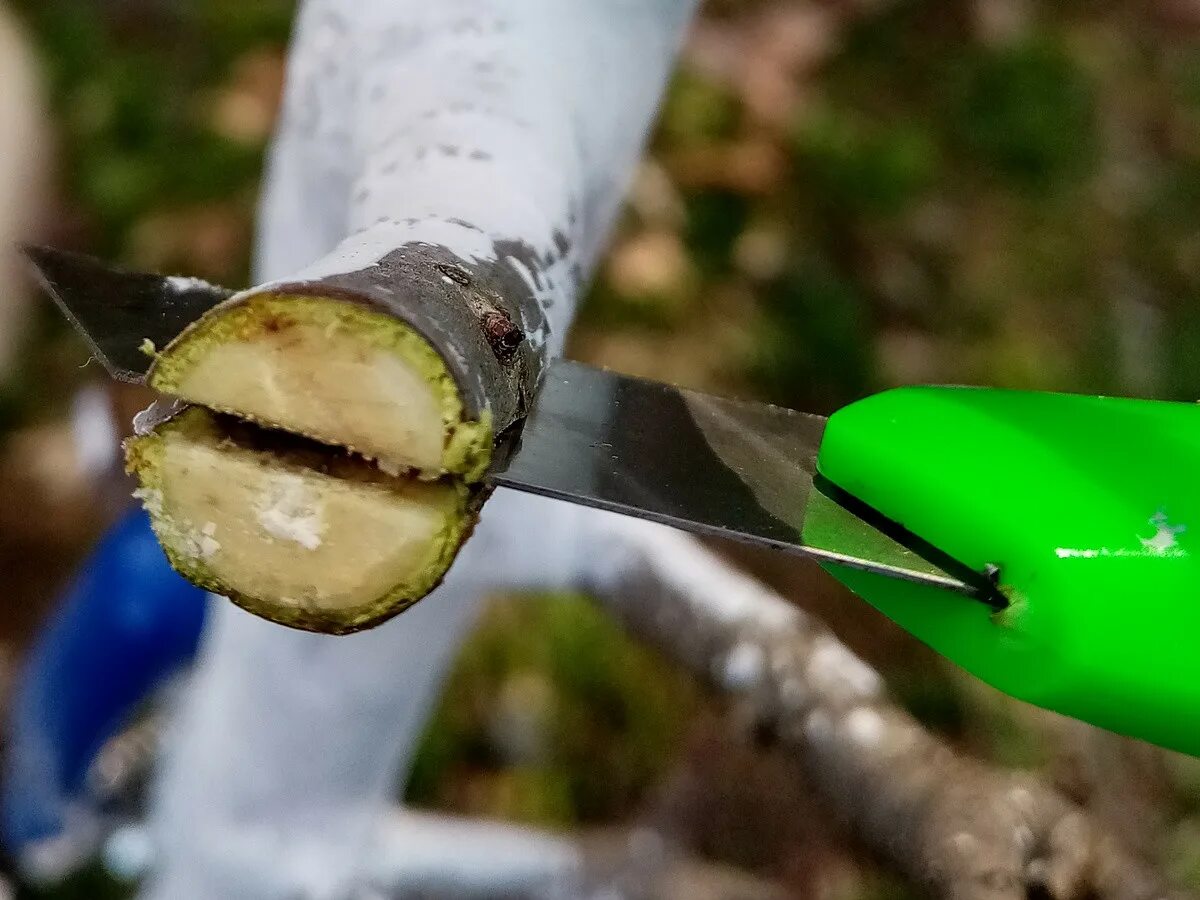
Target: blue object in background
{"type": "Point", "coordinates": [127, 622]}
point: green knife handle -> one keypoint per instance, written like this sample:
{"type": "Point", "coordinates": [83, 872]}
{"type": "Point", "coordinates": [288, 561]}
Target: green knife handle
{"type": "Point", "coordinates": [1089, 506]}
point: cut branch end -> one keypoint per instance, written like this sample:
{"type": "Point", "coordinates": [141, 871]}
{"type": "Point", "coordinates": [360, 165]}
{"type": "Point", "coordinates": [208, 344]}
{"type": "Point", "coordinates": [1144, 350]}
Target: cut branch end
{"type": "Point", "coordinates": [325, 472]}
{"type": "Point", "coordinates": [295, 531]}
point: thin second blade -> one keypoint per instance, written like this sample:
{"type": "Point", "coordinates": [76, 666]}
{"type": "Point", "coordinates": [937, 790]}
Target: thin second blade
{"type": "Point", "coordinates": [116, 311]}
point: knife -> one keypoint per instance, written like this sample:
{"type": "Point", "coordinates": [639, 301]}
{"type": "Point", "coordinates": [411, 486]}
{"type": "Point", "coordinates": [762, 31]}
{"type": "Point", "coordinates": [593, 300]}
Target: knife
{"type": "Point", "coordinates": [731, 468]}
{"type": "Point", "coordinates": [1044, 542]}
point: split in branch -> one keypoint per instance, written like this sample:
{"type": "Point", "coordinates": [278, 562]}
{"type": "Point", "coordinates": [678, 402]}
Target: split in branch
{"type": "Point", "coordinates": [328, 464]}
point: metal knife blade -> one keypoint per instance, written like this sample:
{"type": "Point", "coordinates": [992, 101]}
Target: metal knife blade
{"type": "Point", "coordinates": [705, 464]}
{"type": "Point", "coordinates": [118, 311]}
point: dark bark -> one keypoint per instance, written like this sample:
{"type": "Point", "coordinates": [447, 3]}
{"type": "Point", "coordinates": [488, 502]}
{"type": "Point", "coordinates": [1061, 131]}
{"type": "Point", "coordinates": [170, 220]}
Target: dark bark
{"type": "Point", "coordinates": [479, 317]}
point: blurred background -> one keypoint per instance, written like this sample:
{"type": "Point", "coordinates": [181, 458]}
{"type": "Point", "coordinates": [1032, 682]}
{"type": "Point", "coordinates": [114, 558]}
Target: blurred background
{"type": "Point", "coordinates": [841, 196]}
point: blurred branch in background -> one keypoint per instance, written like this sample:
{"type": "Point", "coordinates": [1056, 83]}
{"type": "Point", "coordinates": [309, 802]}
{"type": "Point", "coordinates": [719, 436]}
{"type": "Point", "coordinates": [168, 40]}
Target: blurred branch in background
{"type": "Point", "coordinates": [945, 821]}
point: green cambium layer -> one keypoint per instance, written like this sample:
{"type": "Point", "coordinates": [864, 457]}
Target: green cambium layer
{"type": "Point", "coordinates": [333, 371]}
{"type": "Point", "coordinates": [291, 530]}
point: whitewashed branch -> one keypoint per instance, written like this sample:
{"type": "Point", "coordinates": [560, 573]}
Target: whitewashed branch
{"type": "Point", "coordinates": [429, 855]}
{"type": "Point", "coordinates": [423, 854]}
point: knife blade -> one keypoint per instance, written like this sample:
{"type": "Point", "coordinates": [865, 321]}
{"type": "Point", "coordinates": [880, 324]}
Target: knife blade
{"type": "Point", "coordinates": [710, 465]}
{"type": "Point", "coordinates": [117, 311]}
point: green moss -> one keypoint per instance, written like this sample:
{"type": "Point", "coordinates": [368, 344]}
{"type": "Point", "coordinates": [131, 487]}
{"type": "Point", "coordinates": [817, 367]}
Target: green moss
{"type": "Point", "coordinates": [852, 166]}
{"type": "Point", "coordinates": [811, 349]}
{"type": "Point", "coordinates": [698, 108]}
{"type": "Point", "coordinates": [602, 717]}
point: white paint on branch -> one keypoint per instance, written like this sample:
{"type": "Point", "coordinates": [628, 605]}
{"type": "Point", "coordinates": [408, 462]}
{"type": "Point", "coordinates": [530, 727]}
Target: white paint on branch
{"type": "Point", "coordinates": [490, 859]}
{"type": "Point", "coordinates": [819, 725]}
{"type": "Point", "coordinates": [472, 125]}
{"type": "Point", "coordinates": [678, 560]}
{"type": "Point", "coordinates": [743, 667]}
{"type": "Point", "coordinates": [94, 430]}
{"type": "Point", "coordinates": [493, 130]}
